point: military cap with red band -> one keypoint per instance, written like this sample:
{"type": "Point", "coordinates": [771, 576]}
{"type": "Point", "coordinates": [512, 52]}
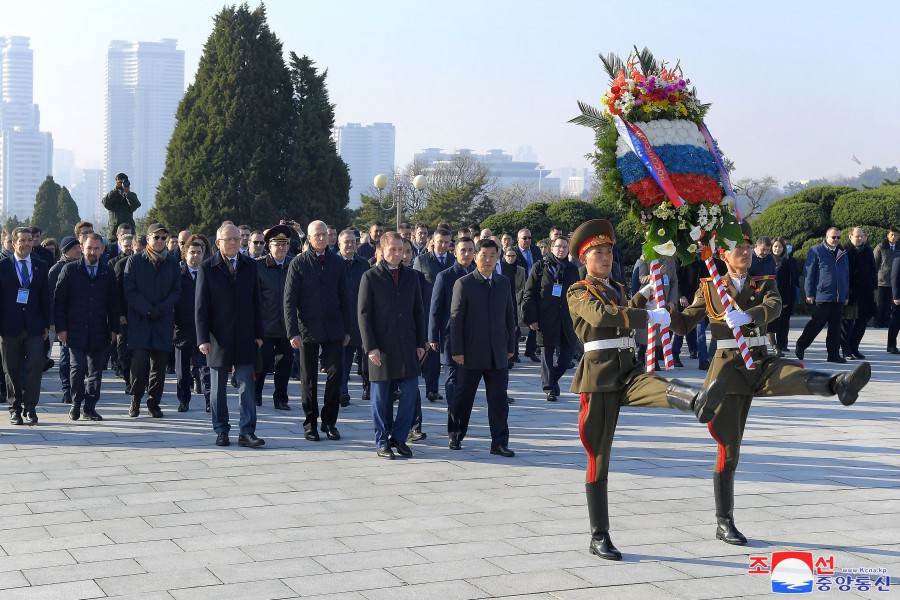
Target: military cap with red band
{"type": "Point", "coordinates": [595, 232]}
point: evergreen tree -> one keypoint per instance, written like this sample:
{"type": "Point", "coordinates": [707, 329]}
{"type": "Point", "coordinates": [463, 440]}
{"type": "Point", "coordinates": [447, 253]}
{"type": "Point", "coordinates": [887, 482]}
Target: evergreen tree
{"type": "Point", "coordinates": [371, 210]}
{"type": "Point", "coordinates": [67, 214]}
{"type": "Point", "coordinates": [45, 207]}
{"type": "Point", "coordinates": [230, 153]}
{"type": "Point", "coordinates": [319, 180]}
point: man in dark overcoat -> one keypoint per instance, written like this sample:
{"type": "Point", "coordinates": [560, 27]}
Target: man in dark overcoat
{"type": "Point", "coordinates": [393, 329]}
{"type": "Point", "coordinates": [317, 312]}
{"type": "Point", "coordinates": [187, 355]}
{"type": "Point", "coordinates": [230, 331]}
{"type": "Point", "coordinates": [355, 266]}
{"type": "Point", "coordinates": [277, 354]}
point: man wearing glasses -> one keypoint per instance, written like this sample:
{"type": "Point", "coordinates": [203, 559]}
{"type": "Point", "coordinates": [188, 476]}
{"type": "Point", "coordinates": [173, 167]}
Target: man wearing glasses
{"type": "Point", "coordinates": [258, 243]}
{"type": "Point", "coordinates": [827, 274]}
{"type": "Point", "coordinates": [528, 256]}
{"type": "Point", "coordinates": [152, 286]}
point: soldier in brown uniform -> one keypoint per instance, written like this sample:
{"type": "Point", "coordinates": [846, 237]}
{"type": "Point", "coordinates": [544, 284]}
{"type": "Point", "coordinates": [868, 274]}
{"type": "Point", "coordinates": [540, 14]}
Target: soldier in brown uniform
{"type": "Point", "coordinates": [757, 303]}
{"type": "Point", "coordinates": [610, 375]}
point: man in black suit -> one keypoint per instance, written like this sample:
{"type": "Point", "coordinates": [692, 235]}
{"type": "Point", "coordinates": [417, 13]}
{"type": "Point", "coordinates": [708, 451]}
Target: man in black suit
{"type": "Point", "coordinates": [528, 256]}
{"type": "Point", "coordinates": [430, 264]}
{"type": "Point", "coordinates": [482, 339]}
{"type": "Point", "coordinates": [187, 353]}
{"type": "Point", "coordinates": [38, 250]}
{"type": "Point", "coordinates": [546, 312]}
{"type": "Point", "coordinates": [392, 326]}
{"type": "Point", "coordinates": [86, 308]}
{"type": "Point", "coordinates": [318, 313]}
{"type": "Point", "coordinates": [277, 354]}
{"type": "Point", "coordinates": [24, 325]}
{"type": "Point", "coordinates": [230, 331]}
{"type": "Point", "coordinates": [439, 310]}
{"type": "Point", "coordinates": [355, 266]}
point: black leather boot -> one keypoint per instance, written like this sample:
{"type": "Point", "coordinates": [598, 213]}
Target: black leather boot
{"type": "Point", "coordinates": [598, 512]}
{"type": "Point", "coordinates": [703, 402]}
{"type": "Point", "coordinates": [723, 486]}
{"type": "Point", "coordinates": [845, 385]}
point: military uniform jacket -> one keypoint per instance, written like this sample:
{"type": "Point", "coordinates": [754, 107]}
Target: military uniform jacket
{"type": "Point", "coordinates": [601, 312]}
{"type": "Point", "coordinates": [759, 298]}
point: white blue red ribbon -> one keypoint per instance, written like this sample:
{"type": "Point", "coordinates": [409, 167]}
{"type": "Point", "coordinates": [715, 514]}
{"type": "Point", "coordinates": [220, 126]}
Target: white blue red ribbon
{"type": "Point", "coordinates": [640, 145]}
{"type": "Point", "coordinates": [723, 172]}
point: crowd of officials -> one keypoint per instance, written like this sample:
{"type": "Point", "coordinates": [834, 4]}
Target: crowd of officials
{"type": "Point", "coordinates": [396, 307]}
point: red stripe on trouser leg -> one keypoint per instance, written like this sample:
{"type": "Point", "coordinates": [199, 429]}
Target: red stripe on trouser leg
{"type": "Point", "coordinates": [720, 455]}
{"type": "Point", "coordinates": [592, 459]}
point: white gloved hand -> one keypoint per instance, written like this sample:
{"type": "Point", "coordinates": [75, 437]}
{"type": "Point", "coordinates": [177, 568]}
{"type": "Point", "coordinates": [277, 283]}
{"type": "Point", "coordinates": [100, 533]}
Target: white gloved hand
{"type": "Point", "coordinates": [737, 318]}
{"type": "Point", "coordinates": [646, 291]}
{"type": "Point", "coordinates": [659, 316]}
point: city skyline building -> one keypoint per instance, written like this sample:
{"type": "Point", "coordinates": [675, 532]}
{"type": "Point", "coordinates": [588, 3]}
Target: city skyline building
{"type": "Point", "coordinates": [26, 152]}
{"type": "Point", "coordinates": [507, 171]}
{"type": "Point", "coordinates": [144, 84]}
{"type": "Point", "coordinates": [368, 150]}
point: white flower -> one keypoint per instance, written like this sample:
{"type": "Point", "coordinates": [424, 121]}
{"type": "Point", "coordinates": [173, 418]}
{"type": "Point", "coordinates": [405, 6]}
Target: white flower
{"type": "Point", "coordinates": [696, 232]}
{"type": "Point", "coordinates": [667, 249]}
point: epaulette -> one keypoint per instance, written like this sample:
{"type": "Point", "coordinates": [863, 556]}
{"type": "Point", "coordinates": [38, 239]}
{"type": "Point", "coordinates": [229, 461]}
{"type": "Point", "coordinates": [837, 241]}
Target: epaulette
{"type": "Point", "coordinates": [762, 277]}
{"type": "Point", "coordinates": [706, 279]}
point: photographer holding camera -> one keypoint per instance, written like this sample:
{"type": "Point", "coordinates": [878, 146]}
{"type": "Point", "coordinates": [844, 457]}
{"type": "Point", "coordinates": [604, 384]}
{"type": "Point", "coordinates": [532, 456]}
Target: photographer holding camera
{"type": "Point", "coordinates": [121, 203]}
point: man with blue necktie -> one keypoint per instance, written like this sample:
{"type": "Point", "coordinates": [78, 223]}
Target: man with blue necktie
{"type": "Point", "coordinates": [528, 256]}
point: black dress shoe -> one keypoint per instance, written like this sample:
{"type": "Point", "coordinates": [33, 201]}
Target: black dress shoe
{"type": "Point", "coordinates": [281, 406]}
{"type": "Point", "coordinates": [31, 417]}
{"type": "Point", "coordinates": [331, 432]}
{"type": "Point", "coordinates": [385, 452]}
{"type": "Point", "coordinates": [402, 449]}
{"type": "Point", "coordinates": [207, 406]}
{"type": "Point", "coordinates": [365, 394]}
{"type": "Point", "coordinates": [510, 399]}
{"type": "Point", "coordinates": [155, 412]}
{"type": "Point", "coordinates": [222, 440]}
{"type": "Point", "coordinates": [182, 406]}
{"type": "Point", "coordinates": [551, 397]}
{"type": "Point", "coordinates": [93, 415]}
{"type": "Point", "coordinates": [603, 547]}
{"type": "Point", "coordinates": [798, 352]}
{"type": "Point", "coordinates": [259, 401]}
{"type": "Point", "coordinates": [15, 418]}
{"type": "Point", "coordinates": [432, 396]}
{"type": "Point", "coordinates": [455, 445]}
{"type": "Point", "coordinates": [858, 355]}
{"type": "Point", "coordinates": [893, 351]}
{"type": "Point", "coordinates": [250, 440]}
{"type": "Point", "coordinates": [502, 451]}
{"type": "Point", "coordinates": [75, 412]}
{"type": "Point", "coordinates": [345, 400]}
{"type": "Point", "coordinates": [533, 358]}
{"type": "Point", "coordinates": [48, 364]}
{"type": "Point", "coordinates": [438, 395]}
{"type": "Point", "coordinates": [516, 359]}
{"type": "Point", "coordinates": [312, 435]}
{"type": "Point", "coordinates": [837, 359]}
{"type": "Point", "coordinates": [416, 436]}
{"type": "Point", "coordinates": [678, 362]}
{"type": "Point", "coordinates": [67, 399]}
{"type": "Point", "coordinates": [692, 355]}
{"type": "Point", "coordinates": [704, 365]}
{"type": "Point", "coordinates": [198, 388]}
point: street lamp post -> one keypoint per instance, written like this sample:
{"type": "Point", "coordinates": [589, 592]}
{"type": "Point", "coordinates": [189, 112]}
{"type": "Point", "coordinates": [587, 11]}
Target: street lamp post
{"type": "Point", "coordinates": [412, 199]}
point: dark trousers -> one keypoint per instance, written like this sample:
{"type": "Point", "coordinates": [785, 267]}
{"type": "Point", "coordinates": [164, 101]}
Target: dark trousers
{"type": "Point", "coordinates": [852, 334]}
{"type": "Point", "coordinates": [452, 380]}
{"type": "Point", "coordinates": [86, 374]}
{"type": "Point", "coordinates": [893, 327]}
{"type": "Point", "coordinates": [781, 326]}
{"type": "Point", "coordinates": [2, 380]}
{"type": "Point", "coordinates": [124, 355]}
{"type": "Point", "coordinates": [431, 371]}
{"type": "Point", "coordinates": [349, 356]}
{"type": "Point", "coordinates": [309, 372]}
{"type": "Point", "coordinates": [219, 398]}
{"type": "Point", "coordinates": [824, 313]}
{"type": "Point", "coordinates": [188, 358]}
{"type": "Point", "coordinates": [23, 361]}
{"type": "Point", "coordinates": [530, 343]}
{"type": "Point", "coordinates": [460, 408]}
{"type": "Point", "coordinates": [65, 374]}
{"type": "Point", "coordinates": [386, 425]}
{"type": "Point", "coordinates": [277, 356]}
{"type": "Point", "coordinates": [552, 369]}
{"type": "Point", "coordinates": [148, 366]}
{"type": "Point", "coordinates": [884, 306]}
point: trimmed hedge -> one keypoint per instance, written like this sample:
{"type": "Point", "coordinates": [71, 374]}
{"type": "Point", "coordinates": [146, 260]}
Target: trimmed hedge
{"type": "Point", "coordinates": [798, 220]}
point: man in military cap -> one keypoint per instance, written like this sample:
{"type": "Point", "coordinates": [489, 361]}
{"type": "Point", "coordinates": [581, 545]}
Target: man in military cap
{"type": "Point", "coordinates": [277, 354]}
{"type": "Point", "coordinates": [757, 303]}
{"type": "Point", "coordinates": [610, 375]}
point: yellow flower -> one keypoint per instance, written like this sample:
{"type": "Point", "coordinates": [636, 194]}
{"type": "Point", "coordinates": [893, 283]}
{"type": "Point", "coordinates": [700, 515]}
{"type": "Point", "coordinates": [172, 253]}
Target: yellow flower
{"type": "Point", "coordinates": [661, 231]}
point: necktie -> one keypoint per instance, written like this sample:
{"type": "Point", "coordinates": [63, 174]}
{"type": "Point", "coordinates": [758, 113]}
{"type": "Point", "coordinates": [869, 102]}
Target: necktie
{"type": "Point", "coordinates": [232, 262]}
{"type": "Point", "coordinates": [26, 276]}
{"type": "Point", "coordinates": [194, 275]}
{"type": "Point", "coordinates": [322, 261]}
{"type": "Point", "coordinates": [441, 258]}
{"type": "Point", "coordinates": [395, 273]}
{"type": "Point", "coordinates": [93, 270]}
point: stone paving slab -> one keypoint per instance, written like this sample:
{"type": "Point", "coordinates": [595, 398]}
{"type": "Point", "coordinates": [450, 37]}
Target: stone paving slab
{"type": "Point", "coordinates": [151, 509]}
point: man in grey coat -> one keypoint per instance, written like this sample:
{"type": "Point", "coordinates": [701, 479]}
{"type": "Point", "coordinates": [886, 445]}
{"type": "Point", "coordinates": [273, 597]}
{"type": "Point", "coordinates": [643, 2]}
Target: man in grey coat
{"type": "Point", "coordinates": [152, 285]}
{"type": "Point", "coordinates": [393, 329]}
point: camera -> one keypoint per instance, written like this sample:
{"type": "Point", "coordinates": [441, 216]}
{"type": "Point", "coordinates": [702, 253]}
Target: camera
{"type": "Point", "coordinates": [126, 183]}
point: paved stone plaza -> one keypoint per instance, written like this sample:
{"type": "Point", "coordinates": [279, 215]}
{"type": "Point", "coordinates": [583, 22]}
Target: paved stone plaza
{"type": "Point", "coordinates": [151, 509]}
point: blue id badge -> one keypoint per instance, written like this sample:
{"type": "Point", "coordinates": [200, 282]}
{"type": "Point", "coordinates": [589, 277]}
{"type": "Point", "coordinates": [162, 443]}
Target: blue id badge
{"type": "Point", "coordinates": [22, 297]}
{"type": "Point", "coordinates": [665, 280]}
{"type": "Point", "coordinates": [557, 289]}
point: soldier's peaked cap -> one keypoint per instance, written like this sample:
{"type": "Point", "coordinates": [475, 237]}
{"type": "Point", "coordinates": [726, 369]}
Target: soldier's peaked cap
{"type": "Point", "coordinates": [279, 233]}
{"type": "Point", "coordinates": [592, 233]}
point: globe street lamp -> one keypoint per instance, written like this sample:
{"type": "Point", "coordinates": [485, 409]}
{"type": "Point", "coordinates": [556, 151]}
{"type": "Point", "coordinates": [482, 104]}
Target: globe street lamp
{"type": "Point", "coordinates": [408, 196]}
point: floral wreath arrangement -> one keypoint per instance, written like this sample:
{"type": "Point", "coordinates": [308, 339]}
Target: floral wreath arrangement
{"type": "Point", "coordinates": [656, 157]}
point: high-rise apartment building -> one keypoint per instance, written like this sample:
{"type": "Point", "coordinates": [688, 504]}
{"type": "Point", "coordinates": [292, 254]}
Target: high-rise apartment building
{"type": "Point", "coordinates": [26, 153]}
{"type": "Point", "coordinates": [144, 84]}
{"type": "Point", "coordinates": [368, 150]}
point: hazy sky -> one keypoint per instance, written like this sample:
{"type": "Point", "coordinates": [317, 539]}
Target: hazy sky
{"type": "Point", "coordinates": [796, 87]}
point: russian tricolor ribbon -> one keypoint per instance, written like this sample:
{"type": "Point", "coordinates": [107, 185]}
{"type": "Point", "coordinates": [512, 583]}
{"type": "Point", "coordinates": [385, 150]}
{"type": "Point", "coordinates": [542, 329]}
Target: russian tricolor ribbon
{"type": "Point", "coordinates": [723, 172]}
{"type": "Point", "coordinates": [640, 145]}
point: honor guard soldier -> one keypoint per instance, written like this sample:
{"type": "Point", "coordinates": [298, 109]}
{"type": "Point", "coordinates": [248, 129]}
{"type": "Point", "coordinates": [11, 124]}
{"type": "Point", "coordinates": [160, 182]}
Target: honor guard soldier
{"type": "Point", "coordinates": [757, 303]}
{"type": "Point", "coordinates": [610, 375]}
